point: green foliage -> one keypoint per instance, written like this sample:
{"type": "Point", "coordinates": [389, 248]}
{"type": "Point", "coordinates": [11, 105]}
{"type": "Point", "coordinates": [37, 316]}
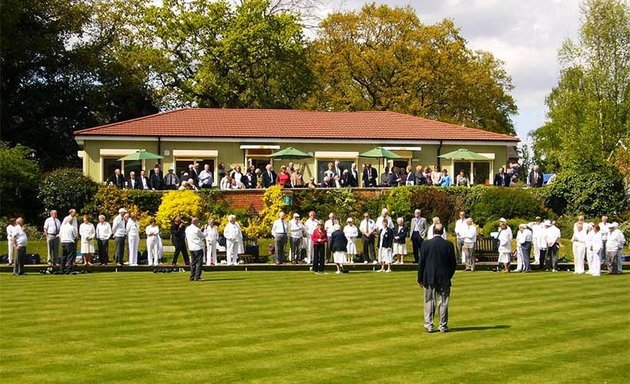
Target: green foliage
{"type": "Point", "coordinates": [18, 180]}
{"type": "Point", "coordinates": [385, 58]}
{"type": "Point", "coordinates": [214, 205]}
{"type": "Point", "coordinates": [594, 193]}
{"type": "Point", "coordinates": [399, 202]}
{"type": "Point", "coordinates": [109, 199]}
{"type": "Point", "coordinates": [66, 188]}
{"type": "Point", "coordinates": [433, 201]}
{"type": "Point", "coordinates": [185, 204]}
{"type": "Point", "coordinates": [146, 201]}
{"type": "Point", "coordinates": [508, 203]}
{"type": "Point", "coordinates": [260, 226]}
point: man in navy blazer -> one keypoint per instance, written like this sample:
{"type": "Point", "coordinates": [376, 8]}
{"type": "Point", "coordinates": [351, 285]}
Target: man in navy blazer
{"type": "Point", "coordinates": [435, 271]}
{"type": "Point", "coordinates": [269, 177]}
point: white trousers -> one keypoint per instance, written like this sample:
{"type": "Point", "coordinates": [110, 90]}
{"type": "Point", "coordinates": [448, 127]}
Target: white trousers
{"type": "Point", "coordinates": [536, 252]}
{"type": "Point", "coordinates": [10, 245]}
{"type": "Point", "coordinates": [133, 250]}
{"type": "Point", "coordinates": [309, 250]}
{"type": "Point", "coordinates": [579, 252]}
{"type": "Point", "coordinates": [519, 258]}
{"type": "Point", "coordinates": [231, 251]}
{"type": "Point", "coordinates": [153, 250]}
{"type": "Point", "coordinates": [211, 253]}
{"type": "Point", "coordinates": [594, 264]}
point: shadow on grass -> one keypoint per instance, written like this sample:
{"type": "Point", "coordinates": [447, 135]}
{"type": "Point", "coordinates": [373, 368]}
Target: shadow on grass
{"type": "Point", "coordinates": [480, 328]}
{"type": "Point", "coordinates": [211, 280]}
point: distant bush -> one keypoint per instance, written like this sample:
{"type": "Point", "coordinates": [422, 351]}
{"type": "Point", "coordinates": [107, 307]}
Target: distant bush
{"type": "Point", "coordinates": [508, 203]}
{"type": "Point", "coordinates": [342, 202]}
{"type": "Point", "coordinates": [147, 201]}
{"type": "Point", "coordinates": [434, 202]}
{"type": "Point", "coordinates": [19, 176]}
{"type": "Point", "coordinates": [185, 204]}
{"type": "Point", "coordinates": [106, 201]}
{"type": "Point", "coordinates": [65, 188]}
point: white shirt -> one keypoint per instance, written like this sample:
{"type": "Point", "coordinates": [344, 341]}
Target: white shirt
{"type": "Point", "coordinates": [594, 241]}
{"type": "Point", "coordinates": [296, 229]}
{"type": "Point", "coordinates": [537, 231]}
{"type": "Point", "coordinates": [118, 227]}
{"type": "Point", "coordinates": [552, 235]}
{"type": "Point", "coordinates": [430, 233]}
{"type": "Point", "coordinates": [604, 230]}
{"type": "Point", "coordinates": [87, 231]}
{"type": "Point", "coordinates": [145, 185]}
{"type": "Point", "coordinates": [367, 227]}
{"type": "Point", "coordinates": [586, 226]}
{"type": "Point", "coordinates": [351, 231]}
{"type": "Point", "coordinates": [505, 240]}
{"type": "Point", "coordinates": [19, 236]}
{"type": "Point", "coordinates": [51, 226]}
{"type": "Point", "coordinates": [232, 232]}
{"type": "Point", "coordinates": [580, 236]}
{"type": "Point", "coordinates": [132, 228]}
{"type": "Point", "coordinates": [379, 222]}
{"type": "Point", "coordinates": [10, 232]}
{"type": "Point", "coordinates": [329, 225]}
{"type": "Point", "coordinates": [524, 236]}
{"type": "Point", "coordinates": [468, 234]}
{"type": "Point", "coordinates": [74, 222]}
{"type": "Point", "coordinates": [225, 183]}
{"type": "Point", "coordinates": [67, 233]}
{"type": "Point", "coordinates": [103, 230]}
{"type": "Point", "coordinates": [195, 238]}
{"type": "Point", "coordinates": [152, 230]}
{"type": "Point", "coordinates": [205, 178]}
{"type": "Point", "coordinates": [310, 225]}
{"type": "Point", "coordinates": [460, 226]}
{"type": "Point", "coordinates": [211, 233]}
{"type": "Point", "coordinates": [616, 240]}
{"type": "Point", "coordinates": [279, 228]}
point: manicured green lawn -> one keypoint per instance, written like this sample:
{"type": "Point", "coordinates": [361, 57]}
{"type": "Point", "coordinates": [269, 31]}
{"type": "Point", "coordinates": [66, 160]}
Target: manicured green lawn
{"type": "Point", "coordinates": [296, 327]}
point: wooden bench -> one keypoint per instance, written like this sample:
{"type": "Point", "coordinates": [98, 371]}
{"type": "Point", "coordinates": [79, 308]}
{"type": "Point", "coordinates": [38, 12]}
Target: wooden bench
{"type": "Point", "coordinates": [487, 249]}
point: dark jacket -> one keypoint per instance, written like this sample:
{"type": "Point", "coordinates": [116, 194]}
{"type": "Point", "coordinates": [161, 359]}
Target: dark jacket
{"type": "Point", "coordinates": [338, 241]}
{"type": "Point", "coordinates": [369, 177]}
{"type": "Point", "coordinates": [155, 180]}
{"type": "Point", "coordinates": [178, 235]}
{"type": "Point", "coordinates": [118, 181]}
{"type": "Point", "coordinates": [136, 185]}
{"type": "Point", "coordinates": [268, 181]}
{"type": "Point", "coordinates": [402, 233]}
{"type": "Point", "coordinates": [387, 239]}
{"type": "Point", "coordinates": [538, 183]}
{"type": "Point", "coordinates": [437, 263]}
{"type": "Point", "coordinates": [502, 180]}
{"type": "Point", "coordinates": [353, 181]}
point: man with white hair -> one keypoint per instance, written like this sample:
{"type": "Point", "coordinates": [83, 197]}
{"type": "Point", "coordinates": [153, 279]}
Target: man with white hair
{"type": "Point", "coordinates": [103, 234]}
{"type": "Point", "coordinates": [329, 228]}
{"type": "Point", "coordinates": [296, 233]}
{"type": "Point", "coordinates": [460, 226]}
{"type": "Point", "coordinates": [196, 242]}
{"type": "Point", "coordinates": [614, 246]}
{"type": "Point", "coordinates": [419, 227]}
{"type": "Point", "coordinates": [233, 240]}
{"type": "Point", "coordinates": [384, 215]}
{"type": "Point", "coordinates": [537, 228]}
{"type": "Point", "coordinates": [20, 240]}
{"type": "Point", "coordinates": [505, 245]}
{"type": "Point", "coordinates": [280, 233]}
{"type": "Point", "coordinates": [73, 215]}
{"type": "Point", "coordinates": [119, 229]}
{"type": "Point", "coordinates": [309, 226]}
{"type": "Point", "coordinates": [68, 236]}
{"type": "Point", "coordinates": [269, 177]}
{"type": "Point", "coordinates": [368, 231]}
{"type": "Point", "coordinates": [524, 243]}
{"type": "Point", "coordinates": [469, 238]}
{"type": "Point", "coordinates": [552, 238]}
{"type": "Point", "coordinates": [52, 225]}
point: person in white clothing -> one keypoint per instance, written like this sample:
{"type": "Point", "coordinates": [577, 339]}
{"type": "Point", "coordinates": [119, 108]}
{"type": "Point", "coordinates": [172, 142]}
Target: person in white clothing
{"type": "Point", "coordinates": [133, 238]}
{"type": "Point", "coordinates": [384, 216]}
{"type": "Point", "coordinates": [385, 244]}
{"type": "Point", "coordinates": [594, 247]}
{"type": "Point", "coordinates": [73, 215]}
{"type": "Point", "coordinates": [537, 230]}
{"type": "Point", "coordinates": [10, 233]}
{"type": "Point", "coordinates": [524, 238]}
{"type": "Point", "coordinates": [604, 229]}
{"type": "Point", "coordinates": [19, 242]}
{"type": "Point", "coordinates": [280, 233]}
{"type": "Point", "coordinates": [460, 226]}
{"type": "Point", "coordinates": [52, 225]}
{"type": "Point", "coordinates": [614, 247]}
{"type": "Point", "coordinates": [153, 243]}
{"type": "Point", "coordinates": [436, 220]}
{"type": "Point", "coordinates": [233, 240]}
{"type": "Point", "coordinates": [505, 245]}
{"type": "Point", "coordinates": [309, 226]}
{"type": "Point", "coordinates": [68, 236]}
{"type": "Point", "coordinates": [87, 231]}
{"type": "Point", "coordinates": [296, 233]}
{"type": "Point", "coordinates": [351, 232]}
{"type": "Point", "coordinates": [195, 240]}
{"type": "Point", "coordinates": [585, 225]}
{"type": "Point", "coordinates": [468, 235]}
{"type": "Point", "coordinates": [552, 238]}
{"type": "Point", "coordinates": [368, 233]}
{"type": "Point", "coordinates": [119, 230]}
{"type": "Point", "coordinates": [329, 228]}
{"type": "Point", "coordinates": [579, 239]}
{"type": "Point", "coordinates": [103, 234]}
{"type": "Point", "coordinates": [212, 240]}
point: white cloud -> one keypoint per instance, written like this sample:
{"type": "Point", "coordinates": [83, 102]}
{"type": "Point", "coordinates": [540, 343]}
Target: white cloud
{"type": "Point", "coordinates": [526, 35]}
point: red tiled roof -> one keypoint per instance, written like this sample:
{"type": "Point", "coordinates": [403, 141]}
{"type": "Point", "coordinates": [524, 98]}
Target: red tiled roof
{"type": "Point", "coordinates": [291, 124]}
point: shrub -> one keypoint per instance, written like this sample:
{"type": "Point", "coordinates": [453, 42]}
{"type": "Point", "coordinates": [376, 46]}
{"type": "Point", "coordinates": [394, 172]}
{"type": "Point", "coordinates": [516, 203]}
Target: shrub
{"type": "Point", "coordinates": [107, 201]}
{"type": "Point", "coordinates": [593, 193]}
{"type": "Point", "coordinates": [147, 201]}
{"type": "Point", "coordinates": [508, 203]}
{"type": "Point", "coordinates": [261, 226]}
{"type": "Point", "coordinates": [18, 181]}
{"type": "Point", "coordinates": [433, 201]}
{"type": "Point", "coordinates": [185, 204]}
{"type": "Point", "coordinates": [398, 202]}
{"type": "Point", "coordinates": [65, 188]}
{"type": "Point", "coordinates": [323, 201]}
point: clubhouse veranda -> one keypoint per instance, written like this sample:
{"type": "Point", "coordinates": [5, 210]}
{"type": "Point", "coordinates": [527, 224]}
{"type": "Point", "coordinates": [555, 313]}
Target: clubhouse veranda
{"type": "Point", "coordinates": [248, 136]}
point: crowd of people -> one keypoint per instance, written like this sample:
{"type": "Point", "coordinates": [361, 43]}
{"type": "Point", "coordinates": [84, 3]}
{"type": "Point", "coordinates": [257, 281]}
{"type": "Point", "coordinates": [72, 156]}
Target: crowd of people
{"type": "Point", "coordinates": [290, 176]}
{"type": "Point", "coordinates": [313, 241]}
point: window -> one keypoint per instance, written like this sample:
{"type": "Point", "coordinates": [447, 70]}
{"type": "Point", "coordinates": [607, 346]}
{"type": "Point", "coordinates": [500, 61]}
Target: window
{"type": "Point", "coordinates": [110, 164]}
{"type": "Point", "coordinates": [476, 171]}
{"type": "Point", "coordinates": [402, 164]}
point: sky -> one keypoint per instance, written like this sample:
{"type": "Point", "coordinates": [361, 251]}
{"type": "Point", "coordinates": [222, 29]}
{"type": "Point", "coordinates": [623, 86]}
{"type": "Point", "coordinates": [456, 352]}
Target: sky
{"type": "Point", "coordinates": [524, 34]}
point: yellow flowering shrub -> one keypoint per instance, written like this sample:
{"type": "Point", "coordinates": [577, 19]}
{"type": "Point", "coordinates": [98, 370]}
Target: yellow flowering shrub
{"type": "Point", "coordinates": [185, 204]}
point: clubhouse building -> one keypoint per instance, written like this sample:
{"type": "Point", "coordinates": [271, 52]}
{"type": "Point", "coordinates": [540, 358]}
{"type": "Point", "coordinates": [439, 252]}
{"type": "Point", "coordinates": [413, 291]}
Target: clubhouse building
{"type": "Point", "coordinates": [248, 136]}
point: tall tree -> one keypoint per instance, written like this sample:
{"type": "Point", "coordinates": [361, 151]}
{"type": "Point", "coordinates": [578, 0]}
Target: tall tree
{"type": "Point", "coordinates": [589, 109]}
{"type": "Point", "coordinates": [58, 76]}
{"type": "Point", "coordinates": [384, 58]}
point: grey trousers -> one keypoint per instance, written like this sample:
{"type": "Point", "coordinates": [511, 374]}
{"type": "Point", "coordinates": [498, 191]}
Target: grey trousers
{"type": "Point", "coordinates": [53, 248]}
{"type": "Point", "coordinates": [611, 261]}
{"type": "Point", "coordinates": [431, 294]}
{"type": "Point", "coordinates": [119, 249]}
{"type": "Point", "coordinates": [281, 244]}
{"type": "Point", "coordinates": [196, 261]}
{"type": "Point", "coordinates": [18, 261]}
{"type": "Point", "coordinates": [468, 250]}
{"type": "Point", "coordinates": [296, 245]}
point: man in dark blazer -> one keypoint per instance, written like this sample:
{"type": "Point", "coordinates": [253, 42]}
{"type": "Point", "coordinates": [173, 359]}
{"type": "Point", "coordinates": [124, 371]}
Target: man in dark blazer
{"type": "Point", "coordinates": [155, 178]}
{"type": "Point", "coordinates": [502, 179]}
{"type": "Point", "coordinates": [435, 271]}
{"type": "Point", "coordinates": [269, 177]}
{"type": "Point", "coordinates": [353, 176]}
{"type": "Point", "coordinates": [133, 182]}
{"type": "Point", "coordinates": [369, 176]}
{"type": "Point", "coordinates": [117, 179]}
{"type": "Point", "coordinates": [535, 179]}
{"type": "Point", "coordinates": [418, 229]}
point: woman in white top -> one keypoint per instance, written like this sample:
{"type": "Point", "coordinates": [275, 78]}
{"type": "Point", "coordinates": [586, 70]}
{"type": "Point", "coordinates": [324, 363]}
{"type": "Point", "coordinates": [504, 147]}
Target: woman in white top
{"type": "Point", "coordinates": [10, 235]}
{"type": "Point", "coordinates": [133, 237]}
{"type": "Point", "coordinates": [594, 245]}
{"type": "Point", "coordinates": [87, 232]}
{"type": "Point", "coordinates": [352, 232]}
{"type": "Point", "coordinates": [505, 245]}
{"type": "Point", "coordinates": [212, 239]}
{"type": "Point", "coordinates": [233, 240]}
{"type": "Point", "coordinates": [225, 183]}
{"type": "Point", "coordinates": [436, 220]}
{"type": "Point", "coordinates": [153, 243]}
{"type": "Point", "coordinates": [579, 247]}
